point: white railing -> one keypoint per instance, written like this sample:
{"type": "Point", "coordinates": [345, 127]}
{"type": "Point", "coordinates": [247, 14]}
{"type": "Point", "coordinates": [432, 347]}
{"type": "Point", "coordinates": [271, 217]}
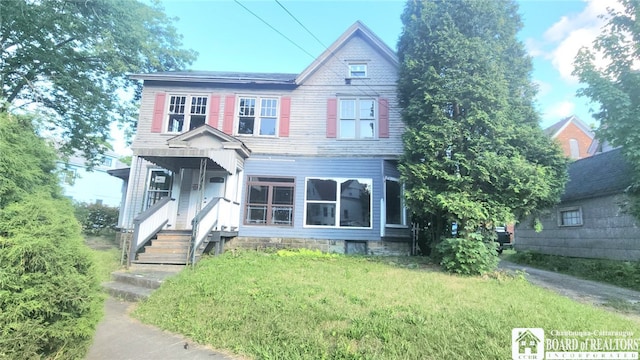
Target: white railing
{"type": "Point", "coordinates": [148, 223]}
{"type": "Point", "coordinates": [219, 214]}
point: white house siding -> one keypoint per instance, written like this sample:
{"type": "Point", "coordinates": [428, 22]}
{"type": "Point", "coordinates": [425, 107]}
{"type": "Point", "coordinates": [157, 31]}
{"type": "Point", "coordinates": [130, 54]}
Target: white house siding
{"type": "Point", "coordinates": [95, 186]}
{"type": "Point", "coordinates": [606, 232]}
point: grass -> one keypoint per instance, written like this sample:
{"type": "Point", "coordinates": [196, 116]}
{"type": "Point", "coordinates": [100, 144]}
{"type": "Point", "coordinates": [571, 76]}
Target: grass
{"type": "Point", "coordinates": [314, 306]}
{"type": "Point", "coordinates": [620, 273]}
{"type": "Point", "coordinates": [106, 256]}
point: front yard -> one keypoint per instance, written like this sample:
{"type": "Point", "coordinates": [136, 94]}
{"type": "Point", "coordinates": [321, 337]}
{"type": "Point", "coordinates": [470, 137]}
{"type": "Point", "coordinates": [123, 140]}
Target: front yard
{"type": "Point", "coordinates": [316, 306]}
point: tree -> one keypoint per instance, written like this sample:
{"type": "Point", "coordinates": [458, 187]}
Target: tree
{"type": "Point", "coordinates": [71, 58]}
{"type": "Point", "coordinates": [474, 151]}
{"type": "Point", "coordinates": [27, 163]}
{"type": "Point", "coordinates": [50, 298]}
{"type": "Point", "coordinates": [615, 87]}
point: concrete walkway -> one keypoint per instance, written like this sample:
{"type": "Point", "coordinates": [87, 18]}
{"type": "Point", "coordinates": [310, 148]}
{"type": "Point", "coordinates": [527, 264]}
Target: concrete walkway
{"type": "Point", "coordinates": [578, 289]}
{"type": "Point", "coordinates": [120, 337]}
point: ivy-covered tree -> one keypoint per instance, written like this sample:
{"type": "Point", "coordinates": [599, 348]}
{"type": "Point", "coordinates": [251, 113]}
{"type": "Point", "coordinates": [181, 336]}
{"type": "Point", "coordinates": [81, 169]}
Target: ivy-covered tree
{"type": "Point", "coordinates": [615, 87]}
{"type": "Point", "coordinates": [475, 154]}
{"type": "Point", "coordinates": [71, 57]}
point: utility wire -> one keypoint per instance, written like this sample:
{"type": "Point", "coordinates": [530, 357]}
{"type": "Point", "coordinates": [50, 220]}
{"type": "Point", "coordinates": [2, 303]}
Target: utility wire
{"type": "Point", "coordinates": [304, 50]}
{"type": "Point", "coordinates": [332, 52]}
{"type": "Point", "coordinates": [301, 24]}
{"type": "Point", "coordinates": [274, 29]}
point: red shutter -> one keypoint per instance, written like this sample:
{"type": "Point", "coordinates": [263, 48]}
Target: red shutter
{"type": "Point", "coordinates": [229, 114]}
{"type": "Point", "coordinates": [158, 113]}
{"type": "Point", "coordinates": [214, 111]}
{"type": "Point", "coordinates": [332, 117]}
{"type": "Point", "coordinates": [285, 114]}
{"type": "Point", "coordinates": [383, 118]}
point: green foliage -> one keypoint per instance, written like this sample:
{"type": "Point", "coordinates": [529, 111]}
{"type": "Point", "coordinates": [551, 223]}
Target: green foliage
{"type": "Point", "coordinates": [96, 219]}
{"type": "Point", "coordinates": [620, 273]}
{"type": "Point", "coordinates": [474, 151]}
{"type": "Point", "coordinates": [27, 163]}
{"type": "Point", "coordinates": [50, 300]}
{"type": "Point", "coordinates": [295, 307]}
{"type": "Point", "coordinates": [71, 58]}
{"type": "Point", "coordinates": [615, 87]}
{"type": "Point", "coordinates": [469, 255]}
{"type": "Point", "coordinates": [305, 253]}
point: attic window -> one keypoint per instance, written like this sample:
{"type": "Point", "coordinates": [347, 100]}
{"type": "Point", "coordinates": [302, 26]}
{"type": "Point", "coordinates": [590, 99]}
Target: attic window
{"type": "Point", "coordinates": [358, 70]}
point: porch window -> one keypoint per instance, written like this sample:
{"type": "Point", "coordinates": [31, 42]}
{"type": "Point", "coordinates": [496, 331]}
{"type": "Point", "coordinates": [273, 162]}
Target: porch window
{"type": "Point", "coordinates": [270, 201]}
{"type": "Point", "coordinates": [257, 116]}
{"type": "Point", "coordinates": [186, 112]}
{"type": "Point", "coordinates": [338, 202]}
{"type": "Point", "coordinates": [394, 202]}
{"type": "Point", "coordinates": [160, 182]}
{"type": "Point", "coordinates": [358, 118]}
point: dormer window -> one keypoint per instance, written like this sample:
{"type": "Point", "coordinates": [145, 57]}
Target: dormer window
{"type": "Point", "coordinates": [357, 70]}
{"type": "Point", "coordinates": [186, 112]}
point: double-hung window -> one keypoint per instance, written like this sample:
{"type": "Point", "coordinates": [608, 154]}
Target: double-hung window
{"type": "Point", "coordinates": [186, 112]}
{"type": "Point", "coordinates": [270, 201]}
{"type": "Point", "coordinates": [258, 116]}
{"type": "Point", "coordinates": [358, 118]}
{"type": "Point", "coordinates": [338, 202]}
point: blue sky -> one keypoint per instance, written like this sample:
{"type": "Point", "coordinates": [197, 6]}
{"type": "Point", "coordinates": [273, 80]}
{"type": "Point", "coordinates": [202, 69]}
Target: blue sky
{"type": "Point", "coordinates": [229, 38]}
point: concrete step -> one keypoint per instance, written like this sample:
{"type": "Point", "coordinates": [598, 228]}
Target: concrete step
{"type": "Point", "coordinates": [126, 291]}
{"type": "Point", "coordinates": [149, 280]}
{"type": "Point", "coordinates": [144, 269]}
{"type": "Point", "coordinates": [147, 258]}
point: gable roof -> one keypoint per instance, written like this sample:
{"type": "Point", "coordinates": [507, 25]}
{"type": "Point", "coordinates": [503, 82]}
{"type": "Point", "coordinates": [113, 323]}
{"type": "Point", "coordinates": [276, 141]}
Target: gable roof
{"type": "Point", "coordinates": [557, 128]}
{"type": "Point", "coordinates": [357, 29]}
{"type": "Point", "coordinates": [599, 175]}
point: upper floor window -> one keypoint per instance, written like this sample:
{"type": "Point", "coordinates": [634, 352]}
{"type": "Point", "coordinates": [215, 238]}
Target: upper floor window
{"type": "Point", "coordinates": [258, 116]}
{"type": "Point", "coordinates": [107, 161]}
{"type": "Point", "coordinates": [358, 70]}
{"type": "Point", "coordinates": [574, 148]}
{"type": "Point", "coordinates": [186, 112]}
{"type": "Point", "coordinates": [358, 118]}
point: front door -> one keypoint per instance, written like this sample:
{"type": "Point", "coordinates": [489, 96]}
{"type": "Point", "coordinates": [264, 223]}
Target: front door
{"type": "Point", "coordinates": [214, 187]}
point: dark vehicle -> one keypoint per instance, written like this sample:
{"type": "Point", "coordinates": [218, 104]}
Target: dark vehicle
{"type": "Point", "coordinates": [504, 238]}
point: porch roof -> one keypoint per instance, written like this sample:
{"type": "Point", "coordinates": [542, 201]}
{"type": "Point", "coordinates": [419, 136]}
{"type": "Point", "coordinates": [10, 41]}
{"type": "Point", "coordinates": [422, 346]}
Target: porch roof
{"type": "Point", "coordinates": [205, 142]}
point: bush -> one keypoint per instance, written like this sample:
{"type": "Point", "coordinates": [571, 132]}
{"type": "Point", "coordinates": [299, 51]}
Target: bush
{"type": "Point", "coordinates": [468, 256]}
{"type": "Point", "coordinates": [50, 298]}
{"type": "Point", "coordinates": [96, 219]}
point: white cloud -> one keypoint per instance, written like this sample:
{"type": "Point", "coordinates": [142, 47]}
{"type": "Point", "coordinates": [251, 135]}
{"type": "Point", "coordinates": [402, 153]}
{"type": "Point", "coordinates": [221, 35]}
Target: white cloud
{"type": "Point", "coordinates": [559, 110]}
{"type": "Point", "coordinates": [569, 34]}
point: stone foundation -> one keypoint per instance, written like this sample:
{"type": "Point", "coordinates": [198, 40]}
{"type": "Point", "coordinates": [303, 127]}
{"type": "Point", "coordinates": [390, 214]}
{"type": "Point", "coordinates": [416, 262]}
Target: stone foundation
{"type": "Point", "coordinates": [380, 248]}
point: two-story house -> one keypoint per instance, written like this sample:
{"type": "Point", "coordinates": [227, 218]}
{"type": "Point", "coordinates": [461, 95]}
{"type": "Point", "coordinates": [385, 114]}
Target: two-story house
{"type": "Point", "coordinates": [263, 159]}
{"type": "Point", "coordinates": [574, 136]}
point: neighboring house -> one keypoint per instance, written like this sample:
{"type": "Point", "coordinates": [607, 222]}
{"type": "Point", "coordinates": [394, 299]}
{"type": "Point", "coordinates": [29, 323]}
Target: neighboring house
{"type": "Point", "coordinates": [590, 221]}
{"type": "Point", "coordinates": [93, 187]}
{"type": "Point", "coordinates": [574, 136]}
{"type": "Point", "coordinates": [264, 159]}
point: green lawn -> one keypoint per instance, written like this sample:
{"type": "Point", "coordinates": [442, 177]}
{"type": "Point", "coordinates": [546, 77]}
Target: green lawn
{"type": "Point", "coordinates": [106, 256]}
{"type": "Point", "coordinates": [267, 306]}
